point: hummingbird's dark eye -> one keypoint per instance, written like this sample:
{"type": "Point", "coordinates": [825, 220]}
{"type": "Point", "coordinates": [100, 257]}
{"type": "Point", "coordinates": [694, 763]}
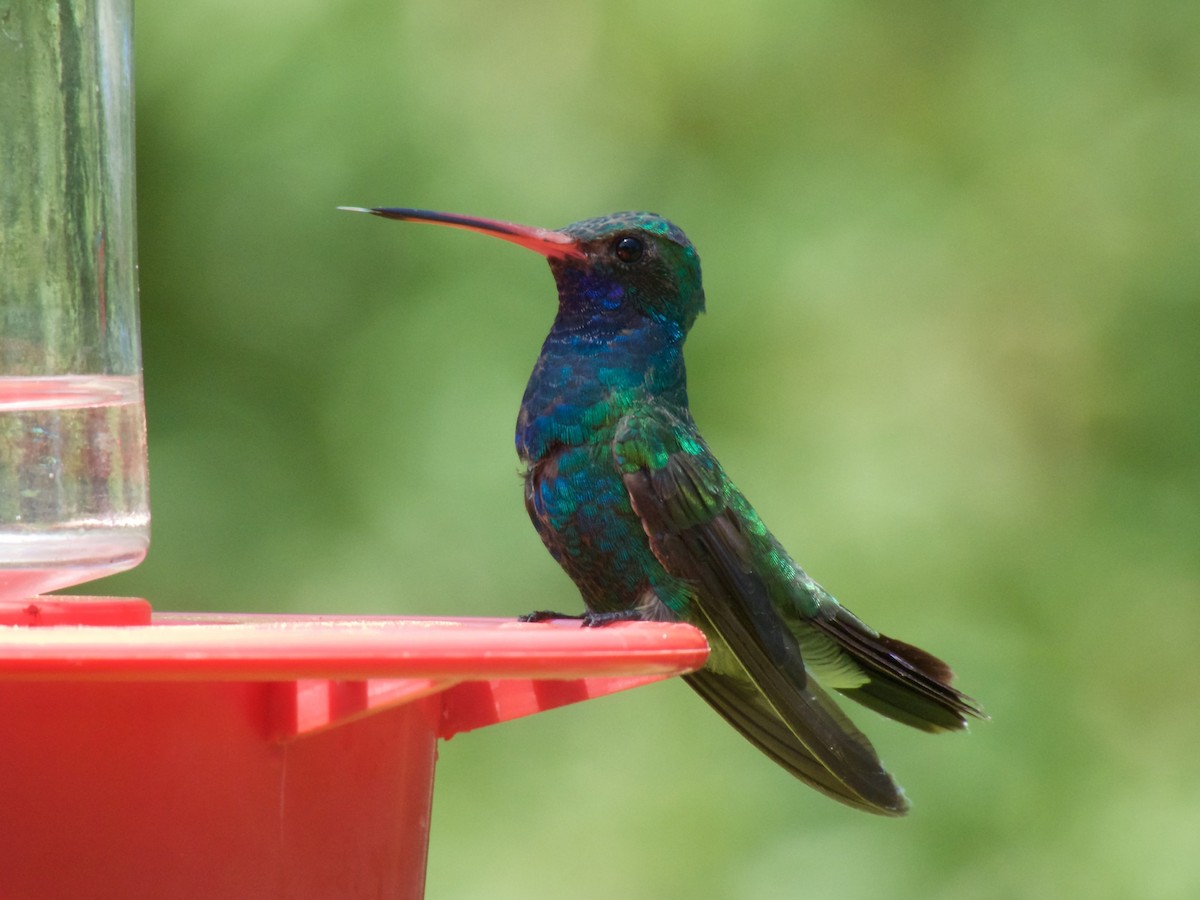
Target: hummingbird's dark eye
{"type": "Point", "coordinates": [629, 249]}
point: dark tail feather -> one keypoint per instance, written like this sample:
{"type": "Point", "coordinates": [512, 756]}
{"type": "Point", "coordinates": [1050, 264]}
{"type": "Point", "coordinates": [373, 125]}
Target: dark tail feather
{"type": "Point", "coordinates": [907, 684]}
{"type": "Point", "coordinates": [750, 713]}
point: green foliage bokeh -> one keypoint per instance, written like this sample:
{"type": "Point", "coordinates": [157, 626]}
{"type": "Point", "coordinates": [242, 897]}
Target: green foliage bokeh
{"type": "Point", "coordinates": [952, 354]}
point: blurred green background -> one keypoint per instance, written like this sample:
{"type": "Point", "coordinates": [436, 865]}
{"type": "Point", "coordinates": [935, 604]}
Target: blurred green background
{"type": "Point", "coordinates": [952, 256]}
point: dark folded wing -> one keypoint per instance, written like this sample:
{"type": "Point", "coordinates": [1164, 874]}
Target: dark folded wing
{"type": "Point", "coordinates": [756, 678]}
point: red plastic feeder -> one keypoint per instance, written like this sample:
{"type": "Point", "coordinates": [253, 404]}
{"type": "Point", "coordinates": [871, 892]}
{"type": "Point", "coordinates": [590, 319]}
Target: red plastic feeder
{"type": "Point", "coordinates": [180, 755]}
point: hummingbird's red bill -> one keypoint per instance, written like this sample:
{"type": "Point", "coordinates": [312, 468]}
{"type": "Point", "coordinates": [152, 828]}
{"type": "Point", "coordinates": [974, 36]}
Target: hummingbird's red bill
{"type": "Point", "coordinates": [551, 244]}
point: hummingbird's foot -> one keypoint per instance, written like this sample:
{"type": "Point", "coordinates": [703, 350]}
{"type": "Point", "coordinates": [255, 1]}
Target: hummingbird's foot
{"type": "Point", "coordinates": [600, 619]}
{"type": "Point", "coordinates": [587, 619]}
{"type": "Point", "coordinates": [548, 615]}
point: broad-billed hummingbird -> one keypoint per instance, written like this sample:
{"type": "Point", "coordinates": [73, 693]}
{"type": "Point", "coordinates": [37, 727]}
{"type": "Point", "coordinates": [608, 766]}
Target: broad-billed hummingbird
{"type": "Point", "coordinates": [629, 499]}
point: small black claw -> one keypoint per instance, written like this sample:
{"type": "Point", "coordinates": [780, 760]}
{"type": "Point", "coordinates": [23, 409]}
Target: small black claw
{"type": "Point", "coordinates": [600, 619]}
{"type": "Point", "coordinates": [547, 615]}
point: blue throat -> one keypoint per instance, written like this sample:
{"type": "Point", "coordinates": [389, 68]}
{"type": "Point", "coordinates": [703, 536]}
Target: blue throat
{"type": "Point", "coordinates": [597, 363]}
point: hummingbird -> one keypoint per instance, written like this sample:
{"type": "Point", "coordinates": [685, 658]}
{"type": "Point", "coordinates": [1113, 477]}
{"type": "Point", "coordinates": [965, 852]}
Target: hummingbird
{"type": "Point", "coordinates": [629, 499]}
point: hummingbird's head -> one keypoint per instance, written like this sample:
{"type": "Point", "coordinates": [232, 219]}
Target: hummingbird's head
{"type": "Point", "coordinates": [631, 263]}
{"type": "Point", "coordinates": [610, 269]}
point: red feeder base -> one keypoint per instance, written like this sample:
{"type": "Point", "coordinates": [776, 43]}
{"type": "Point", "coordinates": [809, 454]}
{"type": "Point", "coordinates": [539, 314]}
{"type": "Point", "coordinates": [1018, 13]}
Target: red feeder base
{"type": "Point", "coordinates": [181, 756]}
